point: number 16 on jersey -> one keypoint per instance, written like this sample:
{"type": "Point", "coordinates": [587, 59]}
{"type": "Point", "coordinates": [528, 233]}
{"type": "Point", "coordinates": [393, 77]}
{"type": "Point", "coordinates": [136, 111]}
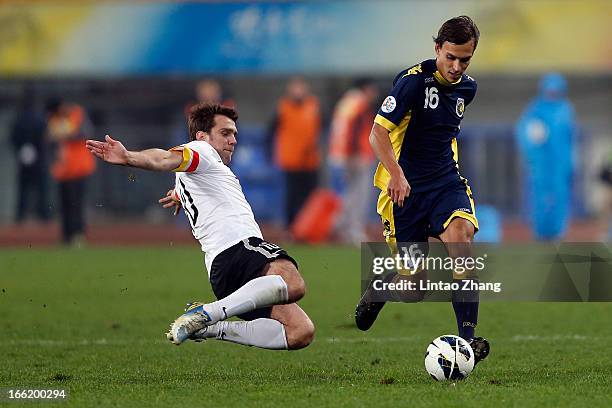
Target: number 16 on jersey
{"type": "Point", "coordinates": [431, 97]}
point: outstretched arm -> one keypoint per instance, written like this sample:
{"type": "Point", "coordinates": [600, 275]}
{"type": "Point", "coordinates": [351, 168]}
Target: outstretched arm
{"type": "Point", "coordinates": [112, 151]}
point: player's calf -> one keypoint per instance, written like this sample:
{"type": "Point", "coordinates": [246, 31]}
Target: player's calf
{"type": "Point", "coordinates": [407, 293]}
{"type": "Point", "coordinates": [300, 336]}
{"type": "Point", "coordinates": [299, 329]}
{"type": "Point", "coordinates": [458, 238]}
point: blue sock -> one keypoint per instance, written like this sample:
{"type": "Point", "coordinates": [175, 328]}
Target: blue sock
{"type": "Point", "coordinates": [465, 304]}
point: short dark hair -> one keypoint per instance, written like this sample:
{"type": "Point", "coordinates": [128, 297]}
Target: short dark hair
{"type": "Point", "coordinates": [458, 30]}
{"type": "Point", "coordinates": [202, 117]}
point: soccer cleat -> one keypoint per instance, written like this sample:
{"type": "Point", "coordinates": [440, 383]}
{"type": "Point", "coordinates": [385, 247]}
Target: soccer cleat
{"type": "Point", "coordinates": [481, 348]}
{"type": "Point", "coordinates": [198, 336]}
{"type": "Point", "coordinates": [192, 305]}
{"type": "Point", "coordinates": [188, 307]}
{"type": "Point", "coordinates": [367, 311]}
{"type": "Point", "coordinates": [169, 334]}
{"type": "Point", "coordinates": [185, 326]}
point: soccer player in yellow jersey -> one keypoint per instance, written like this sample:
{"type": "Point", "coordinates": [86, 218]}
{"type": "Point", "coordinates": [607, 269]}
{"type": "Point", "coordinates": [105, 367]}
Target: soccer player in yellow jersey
{"type": "Point", "coordinates": [422, 193]}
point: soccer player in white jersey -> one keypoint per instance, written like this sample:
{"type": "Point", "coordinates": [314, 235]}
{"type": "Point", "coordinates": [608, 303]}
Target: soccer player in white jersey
{"type": "Point", "coordinates": [251, 278]}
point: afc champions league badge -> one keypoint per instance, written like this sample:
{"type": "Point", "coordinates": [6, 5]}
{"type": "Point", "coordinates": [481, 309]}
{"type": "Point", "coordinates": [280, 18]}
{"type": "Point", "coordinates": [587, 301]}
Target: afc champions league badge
{"type": "Point", "coordinates": [388, 105]}
{"type": "Point", "coordinates": [460, 108]}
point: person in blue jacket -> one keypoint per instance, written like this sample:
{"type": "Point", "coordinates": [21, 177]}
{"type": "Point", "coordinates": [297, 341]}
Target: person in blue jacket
{"type": "Point", "coordinates": [545, 134]}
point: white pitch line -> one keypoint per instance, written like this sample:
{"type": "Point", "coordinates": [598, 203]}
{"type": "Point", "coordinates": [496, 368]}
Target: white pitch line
{"type": "Point", "coordinates": [515, 338]}
{"type": "Point", "coordinates": [350, 340]}
{"type": "Point", "coordinates": [555, 337]}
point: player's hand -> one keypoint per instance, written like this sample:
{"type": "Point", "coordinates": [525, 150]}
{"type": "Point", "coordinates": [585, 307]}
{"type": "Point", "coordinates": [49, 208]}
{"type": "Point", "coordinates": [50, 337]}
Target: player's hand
{"type": "Point", "coordinates": [398, 189]}
{"type": "Point", "coordinates": [171, 200]}
{"type": "Point", "coordinates": [111, 151]}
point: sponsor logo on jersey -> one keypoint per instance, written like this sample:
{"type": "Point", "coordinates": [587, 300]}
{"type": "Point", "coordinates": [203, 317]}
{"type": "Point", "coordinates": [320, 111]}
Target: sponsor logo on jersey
{"type": "Point", "coordinates": [428, 80]}
{"type": "Point", "coordinates": [414, 70]}
{"type": "Point", "coordinates": [389, 104]}
{"type": "Point", "coordinates": [460, 108]}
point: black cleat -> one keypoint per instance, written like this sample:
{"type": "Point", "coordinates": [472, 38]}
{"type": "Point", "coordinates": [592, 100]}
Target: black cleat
{"type": "Point", "coordinates": [367, 311]}
{"type": "Point", "coordinates": [481, 348]}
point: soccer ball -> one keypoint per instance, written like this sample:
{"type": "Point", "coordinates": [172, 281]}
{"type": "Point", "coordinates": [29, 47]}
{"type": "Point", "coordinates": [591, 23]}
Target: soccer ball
{"type": "Point", "coordinates": [449, 357]}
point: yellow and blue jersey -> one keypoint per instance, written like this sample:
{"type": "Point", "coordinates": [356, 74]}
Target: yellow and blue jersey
{"type": "Point", "coordinates": [423, 113]}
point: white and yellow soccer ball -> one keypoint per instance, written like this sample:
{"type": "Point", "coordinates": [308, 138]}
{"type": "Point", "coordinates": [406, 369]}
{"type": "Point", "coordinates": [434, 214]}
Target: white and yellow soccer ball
{"type": "Point", "coordinates": [449, 357]}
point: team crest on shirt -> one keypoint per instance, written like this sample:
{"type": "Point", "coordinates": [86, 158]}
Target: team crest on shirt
{"type": "Point", "coordinates": [460, 108]}
{"type": "Point", "coordinates": [388, 105]}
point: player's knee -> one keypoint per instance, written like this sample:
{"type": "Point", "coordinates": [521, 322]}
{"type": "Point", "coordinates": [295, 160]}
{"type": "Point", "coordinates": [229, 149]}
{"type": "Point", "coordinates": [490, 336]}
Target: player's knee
{"type": "Point", "coordinates": [296, 287]}
{"type": "Point", "coordinates": [461, 231]}
{"type": "Point", "coordinates": [302, 335]}
{"type": "Point", "coordinates": [464, 233]}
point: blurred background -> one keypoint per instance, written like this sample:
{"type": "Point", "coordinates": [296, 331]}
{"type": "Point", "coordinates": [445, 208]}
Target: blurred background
{"type": "Point", "coordinates": [307, 79]}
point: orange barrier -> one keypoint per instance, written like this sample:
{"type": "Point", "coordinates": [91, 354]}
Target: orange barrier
{"type": "Point", "coordinates": [315, 221]}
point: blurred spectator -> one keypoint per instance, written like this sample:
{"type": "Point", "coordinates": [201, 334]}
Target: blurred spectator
{"type": "Point", "coordinates": [545, 134]}
{"type": "Point", "coordinates": [28, 141]}
{"type": "Point", "coordinates": [351, 158]}
{"type": "Point", "coordinates": [68, 127]}
{"type": "Point", "coordinates": [296, 129]}
{"type": "Point", "coordinates": [209, 91]}
{"type": "Point", "coordinates": [206, 91]}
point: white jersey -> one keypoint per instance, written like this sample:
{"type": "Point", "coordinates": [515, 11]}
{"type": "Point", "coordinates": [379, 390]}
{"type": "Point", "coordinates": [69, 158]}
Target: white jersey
{"type": "Point", "coordinates": [213, 201]}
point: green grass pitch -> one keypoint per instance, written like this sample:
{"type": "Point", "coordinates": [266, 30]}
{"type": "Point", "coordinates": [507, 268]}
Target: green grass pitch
{"type": "Point", "coordinates": [92, 322]}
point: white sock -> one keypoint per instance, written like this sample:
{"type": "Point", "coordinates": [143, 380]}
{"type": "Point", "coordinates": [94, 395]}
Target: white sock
{"type": "Point", "coordinates": [260, 292]}
{"type": "Point", "coordinates": [264, 333]}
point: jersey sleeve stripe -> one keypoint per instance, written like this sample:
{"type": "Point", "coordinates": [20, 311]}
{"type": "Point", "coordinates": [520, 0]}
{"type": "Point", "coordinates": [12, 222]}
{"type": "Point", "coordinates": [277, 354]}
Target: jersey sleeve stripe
{"type": "Point", "coordinates": [187, 158]}
{"type": "Point", "coordinates": [194, 162]}
{"type": "Point", "coordinates": [384, 122]}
